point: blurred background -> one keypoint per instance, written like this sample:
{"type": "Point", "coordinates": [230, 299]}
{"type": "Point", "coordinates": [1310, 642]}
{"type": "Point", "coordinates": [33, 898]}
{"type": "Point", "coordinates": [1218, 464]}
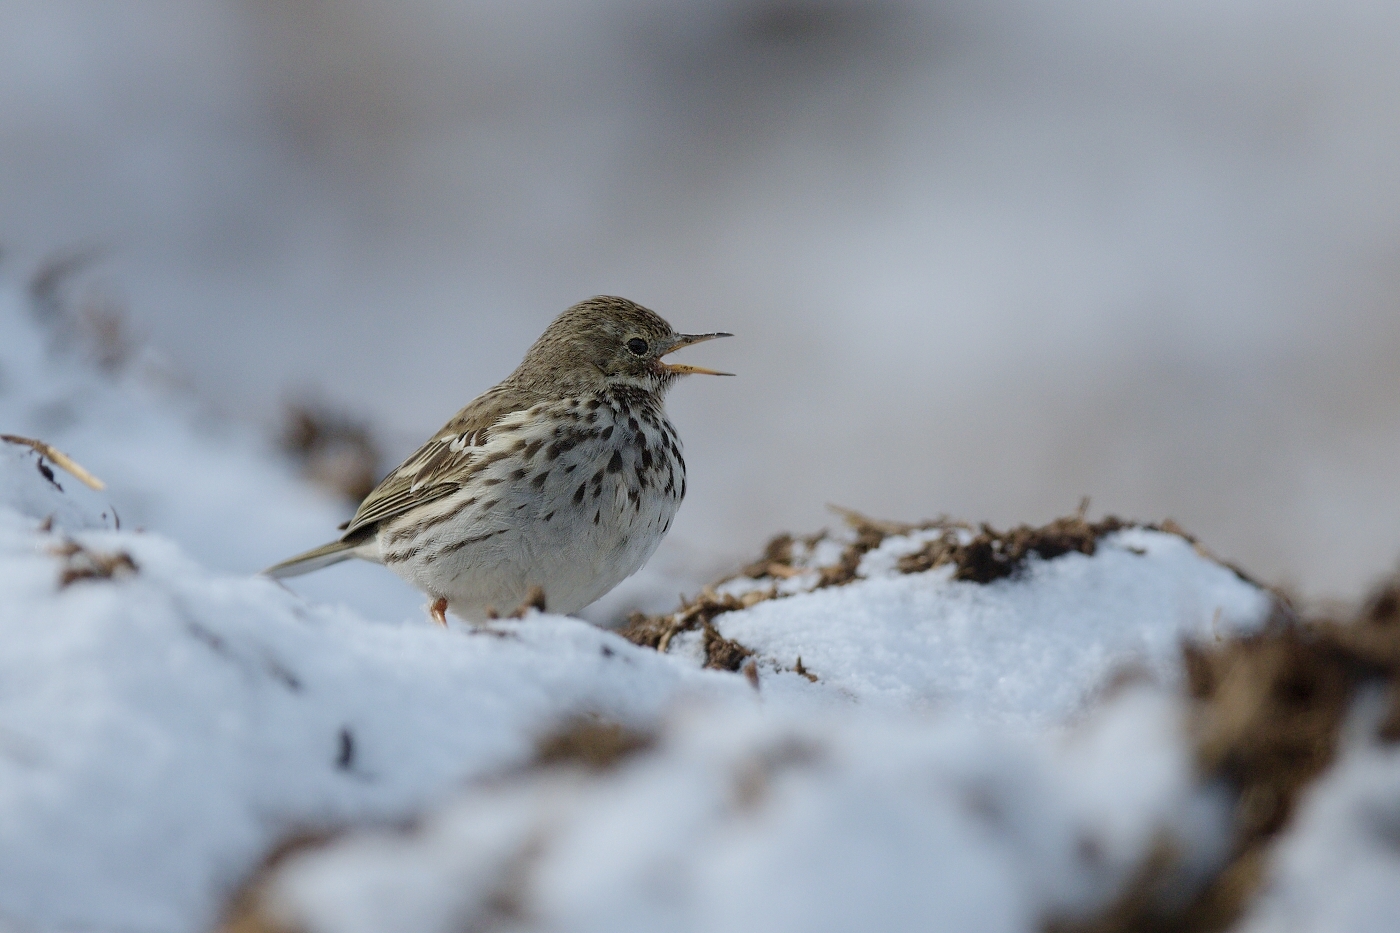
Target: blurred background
{"type": "Point", "coordinates": [983, 257]}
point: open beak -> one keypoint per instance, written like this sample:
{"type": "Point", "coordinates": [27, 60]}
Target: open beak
{"type": "Point", "coordinates": [682, 369]}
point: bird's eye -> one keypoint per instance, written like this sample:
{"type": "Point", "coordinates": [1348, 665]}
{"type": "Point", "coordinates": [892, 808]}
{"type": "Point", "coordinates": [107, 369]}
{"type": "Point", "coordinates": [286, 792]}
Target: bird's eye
{"type": "Point", "coordinates": [638, 346]}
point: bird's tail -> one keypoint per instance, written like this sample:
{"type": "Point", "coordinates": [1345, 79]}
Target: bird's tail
{"type": "Point", "coordinates": [314, 559]}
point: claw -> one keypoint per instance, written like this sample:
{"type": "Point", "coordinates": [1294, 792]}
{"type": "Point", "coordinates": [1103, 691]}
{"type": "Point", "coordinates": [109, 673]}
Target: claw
{"type": "Point", "coordinates": [438, 610]}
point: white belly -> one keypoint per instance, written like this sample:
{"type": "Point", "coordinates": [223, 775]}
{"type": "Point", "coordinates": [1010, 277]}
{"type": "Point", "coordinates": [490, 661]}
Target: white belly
{"type": "Point", "coordinates": [506, 537]}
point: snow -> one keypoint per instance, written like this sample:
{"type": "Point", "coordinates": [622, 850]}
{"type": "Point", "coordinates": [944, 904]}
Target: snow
{"type": "Point", "coordinates": [167, 719]}
{"type": "Point", "coordinates": [757, 819]}
{"type": "Point", "coordinates": [1027, 649]}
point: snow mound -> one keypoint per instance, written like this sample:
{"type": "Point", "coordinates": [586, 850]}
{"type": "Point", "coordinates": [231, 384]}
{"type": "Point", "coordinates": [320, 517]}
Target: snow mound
{"type": "Point", "coordinates": [866, 615]}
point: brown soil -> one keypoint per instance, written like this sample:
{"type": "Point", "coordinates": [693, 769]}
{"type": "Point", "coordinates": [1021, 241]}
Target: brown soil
{"type": "Point", "coordinates": [80, 563]}
{"type": "Point", "coordinates": [723, 654]}
{"type": "Point", "coordinates": [591, 744]}
{"type": "Point", "coordinates": [720, 652]}
{"type": "Point", "coordinates": [992, 555]}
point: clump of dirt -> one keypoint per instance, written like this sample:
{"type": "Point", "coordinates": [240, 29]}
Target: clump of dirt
{"type": "Point", "coordinates": [723, 654]}
{"type": "Point", "coordinates": [594, 745]}
{"type": "Point", "coordinates": [755, 775]}
{"type": "Point", "coordinates": [657, 631]}
{"type": "Point", "coordinates": [80, 563]}
{"type": "Point", "coordinates": [992, 555]}
{"type": "Point", "coordinates": [335, 451]}
{"type": "Point", "coordinates": [776, 560]}
{"type": "Point", "coordinates": [870, 534]}
{"type": "Point", "coordinates": [798, 668]}
{"type": "Point", "coordinates": [1268, 709]}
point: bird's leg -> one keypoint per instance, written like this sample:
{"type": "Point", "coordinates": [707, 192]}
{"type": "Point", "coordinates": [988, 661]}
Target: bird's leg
{"type": "Point", "coordinates": [438, 610]}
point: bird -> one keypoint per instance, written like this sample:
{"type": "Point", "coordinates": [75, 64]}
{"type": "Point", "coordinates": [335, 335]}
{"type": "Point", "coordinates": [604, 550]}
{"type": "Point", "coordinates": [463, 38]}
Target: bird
{"type": "Point", "coordinates": [551, 487]}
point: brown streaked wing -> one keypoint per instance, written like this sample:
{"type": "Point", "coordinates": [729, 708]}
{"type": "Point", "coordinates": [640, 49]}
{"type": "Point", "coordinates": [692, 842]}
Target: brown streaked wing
{"type": "Point", "coordinates": [435, 469]}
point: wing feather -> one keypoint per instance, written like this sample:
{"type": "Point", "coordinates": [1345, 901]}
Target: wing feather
{"type": "Point", "coordinates": [442, 465]}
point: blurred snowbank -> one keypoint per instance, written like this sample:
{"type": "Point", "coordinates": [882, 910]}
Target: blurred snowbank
{"type": "Point", "coordinates": [760, 819]}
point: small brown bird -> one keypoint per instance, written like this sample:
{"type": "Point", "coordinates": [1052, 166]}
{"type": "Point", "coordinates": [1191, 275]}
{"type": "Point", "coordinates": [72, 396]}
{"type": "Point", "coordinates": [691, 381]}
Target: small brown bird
{"type": "Point", "coordinates": [563, 478]}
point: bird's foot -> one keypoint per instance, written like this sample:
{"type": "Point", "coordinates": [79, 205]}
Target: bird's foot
{"type": "Point", "coordinates": [438, 610]}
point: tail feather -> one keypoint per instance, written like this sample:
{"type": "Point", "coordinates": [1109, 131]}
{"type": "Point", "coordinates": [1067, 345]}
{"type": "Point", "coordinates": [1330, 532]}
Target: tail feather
{"type": "Point", "coordinates": [314, 559]}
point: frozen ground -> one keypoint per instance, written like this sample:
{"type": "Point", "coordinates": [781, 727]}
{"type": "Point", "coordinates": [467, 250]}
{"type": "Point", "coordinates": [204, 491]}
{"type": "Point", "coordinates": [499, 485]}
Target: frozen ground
{"type": "Point", "coordinates": [959, 762]}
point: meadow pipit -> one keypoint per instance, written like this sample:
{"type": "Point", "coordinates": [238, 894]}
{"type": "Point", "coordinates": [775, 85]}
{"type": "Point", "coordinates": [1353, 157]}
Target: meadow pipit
{"type": "Point", "coordinates": [563, 477]}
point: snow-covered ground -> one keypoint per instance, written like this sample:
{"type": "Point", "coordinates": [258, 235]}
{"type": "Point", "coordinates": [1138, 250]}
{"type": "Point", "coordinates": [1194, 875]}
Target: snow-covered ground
{"type": "Point", "coordinates": [1029, 649]}
{"type": "Point", "coordinates": [956, 760]}
{"type": "Point", "coordinates": [753, 817]}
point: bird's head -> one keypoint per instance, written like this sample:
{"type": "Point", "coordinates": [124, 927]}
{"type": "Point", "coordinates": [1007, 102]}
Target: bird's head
{"type": "Point", "coordinates": [609, 342]}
